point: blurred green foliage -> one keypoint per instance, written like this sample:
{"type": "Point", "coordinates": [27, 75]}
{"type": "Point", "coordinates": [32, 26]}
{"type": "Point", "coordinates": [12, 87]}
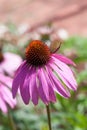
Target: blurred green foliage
{"type": "Point", "coordinates": [77, 45]}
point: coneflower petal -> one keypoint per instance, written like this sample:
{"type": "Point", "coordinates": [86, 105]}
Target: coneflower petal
{"type": "Point", "coordinates": [7, 97]}
{"type": "Point", "coordinates": [24, 90]}
{"type": "Point", "coordinates": [58, 87]}
{"type": "Point", "coordinates": [63, 77]}
{"type": "Point", "coordinates": [42, 95]}
{"type": "Point", "coordinates": [51, 91]}
{"type": "Point", "coordinates": [43, 81]}
{"type": "Point", "coordinates": [65, 70]}
{"type": "Point", "coordinates": [64, 59]}
{"type": "Point", "coordinates": [3, 105]}
{"type": "Point", "coordinates": [33, 88]}
{"type": "Point", "coordinates": [5, 80]}
{"type": "Point", "coordinates": [19, 78]}
{"type": "Point", "coordinates": [41, 89]}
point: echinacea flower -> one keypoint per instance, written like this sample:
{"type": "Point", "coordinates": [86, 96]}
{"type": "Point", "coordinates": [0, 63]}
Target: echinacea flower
{"type": "Point", "coordinates": [9, 62]}
{"type": "Point", "coordinates": [42, 74]}
{"type": "Point", "coordinates": [5, 93]}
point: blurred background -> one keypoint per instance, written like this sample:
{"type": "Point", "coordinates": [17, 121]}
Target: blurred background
{"type": "Point", "coordinates": [67, 14]}
{"type": "Point", "coordinates": [64, 21]}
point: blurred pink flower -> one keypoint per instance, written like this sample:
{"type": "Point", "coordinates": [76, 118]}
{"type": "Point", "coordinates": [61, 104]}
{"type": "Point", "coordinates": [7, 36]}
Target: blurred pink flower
{"type": "Point", "coordinates": [10, 63]}
{"type": "Point", "coordinates": [5, 93]}
{"type": "Point", "coordinates": [42, 74]}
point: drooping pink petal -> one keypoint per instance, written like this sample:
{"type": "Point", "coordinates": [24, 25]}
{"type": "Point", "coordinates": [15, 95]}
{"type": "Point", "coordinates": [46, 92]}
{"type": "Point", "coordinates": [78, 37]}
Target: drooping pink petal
{"type": "Point", "coordinates": [33, 87]}
{"type": "Point", "coordinates": [3, 105]}
{"type": "Point", "coordinates": [7, 96]}
{"type": "Point", "coordinates": [19, 78]}
{"type": "Point", "coordinates": [63, 77]}
{"type": "Point", "coordinates": [41, 89]}
{"type": "Point", "coordinates": [65, 70]}
{"type": "Point", "coordinates": [58, 87]}
{"type": "Point", "coordinates": [51, 91]}
{"type": "Point", "coordinates": [42, 95]}
{"type": "Point", "coordinates": [64, 59]}
{"type": "Point", "coordinates": [22, 66]}
{"type": "Point", "coordinates": [43, 81]}
{"type": "Point", "coordinates": [5, 80]}
{"type": "Point", "coordinates": [11, 62]}
{"type": "Point", "coordinates": [24, 88]}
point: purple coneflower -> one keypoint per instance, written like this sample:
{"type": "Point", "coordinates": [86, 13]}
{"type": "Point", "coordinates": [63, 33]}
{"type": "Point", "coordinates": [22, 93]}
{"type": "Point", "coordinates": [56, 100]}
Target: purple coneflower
{"type": "Point", "coordinates": [5, 93]}
{"type": "Point", "coordinates": [42, 74]}
{"type": "Point", "coordinates": [9, 62]}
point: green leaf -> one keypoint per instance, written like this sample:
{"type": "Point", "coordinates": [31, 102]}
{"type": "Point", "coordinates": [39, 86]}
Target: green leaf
{"type": "Point", "coordinates": [82, 76]}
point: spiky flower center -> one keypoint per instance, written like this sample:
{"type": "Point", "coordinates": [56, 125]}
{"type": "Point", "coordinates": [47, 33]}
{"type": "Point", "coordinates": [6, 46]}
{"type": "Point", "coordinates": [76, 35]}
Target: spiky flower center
{"type": "Point", "coordinates": [37, 53]}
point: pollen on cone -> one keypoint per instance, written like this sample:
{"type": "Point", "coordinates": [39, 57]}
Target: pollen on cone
{"type": "Point", "coordinates": [37, 53]}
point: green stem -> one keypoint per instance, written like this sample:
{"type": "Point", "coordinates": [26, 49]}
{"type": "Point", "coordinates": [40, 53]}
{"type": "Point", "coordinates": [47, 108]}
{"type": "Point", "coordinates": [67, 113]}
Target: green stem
{"type": "Point", "coordinates": [11, 122]}
{"type": "Point", "coordinates": [49, 118]}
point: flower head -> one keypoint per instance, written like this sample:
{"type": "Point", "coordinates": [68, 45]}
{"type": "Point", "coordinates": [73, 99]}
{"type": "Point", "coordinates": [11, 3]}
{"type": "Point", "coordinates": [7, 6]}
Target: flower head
{"type": "Point", "coordinates": [5, 93]}
{"type": "Point", "coordinates": [42, 74]}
